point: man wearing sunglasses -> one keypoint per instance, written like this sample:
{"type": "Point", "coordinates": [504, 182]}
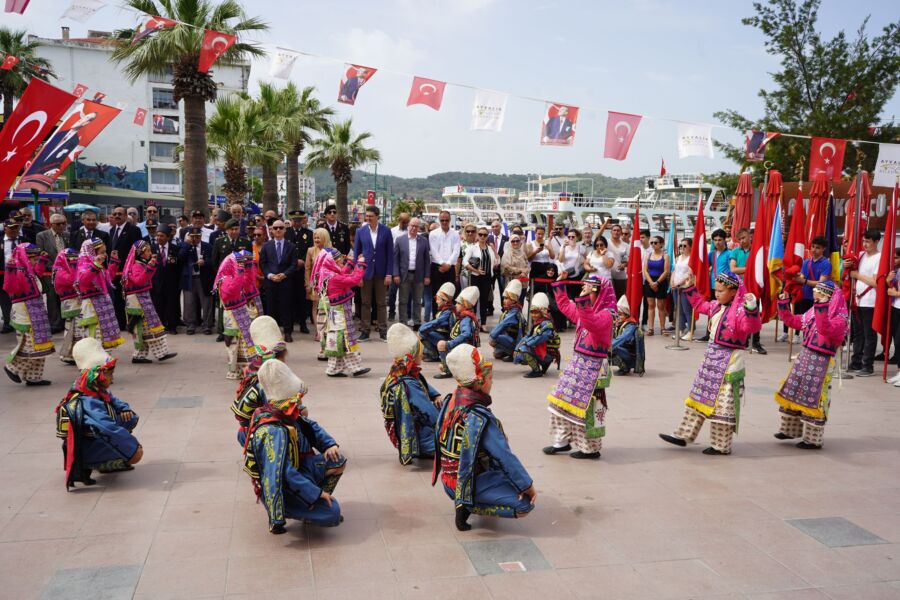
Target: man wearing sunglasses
{"type": "Point", "coordinates": [339, 232]}
{"type": "Point", "coordinates": [444, 247]}
{"type": "Point", "coordinates": [278, 263]}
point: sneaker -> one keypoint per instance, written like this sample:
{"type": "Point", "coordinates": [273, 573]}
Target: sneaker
{"type": "Point", "coordinates": [364, 336]}
{"type": "Point", "coordinates": [896, 383]}
{"type": "Point", "coordinates": [895, 378]}
{"type": "Point", "coordinates": [865, 372]}
{"type": "Point", "coordinates": [686, 337]}
{"type": "Point", "coordinates": [783, 337]}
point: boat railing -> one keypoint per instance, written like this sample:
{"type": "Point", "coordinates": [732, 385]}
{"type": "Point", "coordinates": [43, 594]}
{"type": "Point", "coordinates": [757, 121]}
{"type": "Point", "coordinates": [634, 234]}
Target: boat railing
{"type": "Point", "coordinates": [464, 189]}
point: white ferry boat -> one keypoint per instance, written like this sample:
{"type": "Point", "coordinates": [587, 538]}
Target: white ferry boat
{"type": "Point", "coordinates": [479, 204]}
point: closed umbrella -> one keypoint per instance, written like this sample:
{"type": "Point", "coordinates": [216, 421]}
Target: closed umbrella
{"type": "Point", "coordinates": [818, 208]}
{"type": "Point", "coordinates": [743, 203]}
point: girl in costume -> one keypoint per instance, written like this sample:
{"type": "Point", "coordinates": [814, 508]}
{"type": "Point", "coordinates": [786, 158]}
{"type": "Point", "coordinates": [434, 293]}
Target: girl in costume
{"type": "Point", "coordinates": [70, 304]}
{"type": "Point", "coordinates": [231, 283]}
{"type": "Point", "coordinates": [93, 281]}
{"type": "Point", "coordinates": [804, 396]}
{"type": "Point", "coordinates": [29, 315]}
{"type": "Point", "coordinates": [143, 322]}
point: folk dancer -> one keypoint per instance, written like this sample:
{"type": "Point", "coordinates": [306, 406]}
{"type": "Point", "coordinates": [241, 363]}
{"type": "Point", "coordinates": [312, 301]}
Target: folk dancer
{"type": "Point", "coordinates": [627, 351]}
{"type": "Point", "coordinates": [95, 425]}
{"type": "Point", "coordinates": [804, 396]}
{"type": "Point", "coordinates": [540, 348]}
{"type": "Point", "coordinates": [289, 476]}
{"type": "Point", "coordinates": [438, 329]}
{"type": "Point", "coordinates": [93, 281]}
{"type": "Point", "coordinates": [29, 315]}
{"type": "Point", "coordinates": [409, 404]}
{"type": "Point", "coordinates": [477, 468]}
{"type": "Point", "coordinates": [718, 388]}
{"type": "Point", "coordinates": [269, 344]}
{"type": "Point", "coordinates": [231, 284]}
{"type": "Point", "coordinates": [464, 331]}
{"type": "Point", "coordinates": [143, 322]}
{"type": "Point", "coordinates": [63, 279]}
{"type": "Point", "coordinates": [578, 402]}
{"type": "Point", "coordinates": [508, 331]}
{"type": "Point", "coordinates": [334, 278]}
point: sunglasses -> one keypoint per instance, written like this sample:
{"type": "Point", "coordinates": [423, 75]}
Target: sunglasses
{"type": "Point", "coordinates": [572, 237]}
{"type": "Point", "coordinates": [682, 245]}
{"type": "Point", "coordinates": [470, 231]}
{"type": "Point", "coordinates": [517, 241]}
{"type": "Point", "coordinates": [444, 220]}
{"type": "Point", "coordinates": [330, 212]}
{"type": "Point", "coordinates": [277, 227]}
{"type": "Point", "coordinates": [482, 235]}
{"type": "Point", "coordinates": [654, 243]}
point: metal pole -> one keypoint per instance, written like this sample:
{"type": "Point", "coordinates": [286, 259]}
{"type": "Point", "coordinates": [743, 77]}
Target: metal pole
{"type": "Point", "coordinates": [677, 345]}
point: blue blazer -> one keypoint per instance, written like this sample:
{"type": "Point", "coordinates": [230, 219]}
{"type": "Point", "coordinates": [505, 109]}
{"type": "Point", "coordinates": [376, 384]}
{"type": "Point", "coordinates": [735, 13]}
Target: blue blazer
{"type": "Point", "coordinates": [269, 264]}
{"type": "Point", "coordinates": [380, 259]}
{"type": "Point", "coordinates": [401, 257]}
{"type": "Point", "coordinates": [188, 259]}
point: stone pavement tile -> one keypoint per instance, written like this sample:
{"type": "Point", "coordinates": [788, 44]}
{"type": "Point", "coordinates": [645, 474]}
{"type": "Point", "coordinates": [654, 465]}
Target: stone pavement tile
{"type": "Point", "coordinates": [210, 470]}
{"type": "Point", "coordinates": [186, 578]}
{"type": "Point", "coordinates": [470, 588]}
{"type": "Point", "coordinates": [350, 565]}
{"type": "Point", "coordinates": [282, 594]}
{"type": "Point", "coordinates": [43, 526]}
{"type": "Point", "coordinates": [197, 517]}
{"type": "Point", "coordinates": [352, 533]}
{"type": "Point", "coordinates": [170, 546]}
{"type": "Point", "coordinates": [25, 567]}
{"type": "Point", "coordinates": [774, 533]}
{"type": "Point", "coordinates": [533, 584]}
{"type": "Point", "coordinates": [885, 526]}
{"type": "Point", "coordinates": [115, 582]}
{"type": "Point", "coordinates": [222, 451]}
{"type": "Point", "coordinates": [414, 530]}
{"type": "Point", "coordinates": [264, 574]}
{"type": "Point", "coordinates": [682, 579]}
{"type": "Point", "coordinates": [613, 582]}
{"type": "Point", "coordinates": [253, 538]}
{"type": "Point", "coordinates": [822, 566]}
{"type": "Point", "coordinates": [50, 500]}
{"type": "Point", "coordinates": [123, 518]}
{"type": "Point", "coordinates": [806, 594]}
{"type": "Point", "coordinates": [89, 550]}
{"type": "Point", "coordinates": [430, 561]}
{"type": "Point", "coordinates": [748, 570]}
{"type": "Point", "coordinates": [193, 492]}
{"type": "Point", "coordinates": [863, 591]}
{"type": "Point", "coordinates": [178, 402]}
{"type": "Point", "coordinates": [376, 588]}
{"type": "Point", "coordinates": [836, 532]}
{"type": "Point", "coordinates": [583, 550]}
{"type": "Point", "coordinates": [882, 560]}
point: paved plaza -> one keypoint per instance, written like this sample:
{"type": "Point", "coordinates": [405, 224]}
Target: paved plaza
{"type": "Point", "coordinates": [648, 520]}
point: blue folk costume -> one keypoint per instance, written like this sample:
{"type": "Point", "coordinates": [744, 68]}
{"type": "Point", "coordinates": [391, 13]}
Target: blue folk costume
{"type": "Point", "coordinates": [407, 405]}
{"type": "Point", "coordinates": [540, 348]}
{"type": "Point", "coordinates": [465, 330]}
{"type": "Point", "coordinates": [508, 331]}
{"type": "Point", "coordinates": [627, 350]}
{"type": "Point", "coordinates": [437, 329]}
{"type": "Point", "coordinates": [96, 427]}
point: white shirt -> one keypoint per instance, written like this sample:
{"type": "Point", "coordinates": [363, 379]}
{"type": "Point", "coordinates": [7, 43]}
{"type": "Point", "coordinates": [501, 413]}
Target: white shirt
{"type": "Point", "coordinates": [373, 233]}
{"type": "Point", "coordinates": [444, 246]}
{"type": "Point", "coordinates": [868, 266]}
{"type": "Point", "coordinates": [620, 253]}
{"type": "Point", "coordinates": [557, 242]}
{"type": "Point", "coordinates": [541, 257]}
{"type": "Point", "coordinates": [8, 248]}
{"type": "Point", "coordinates": [397, 232]}
{"type": "Point", "coordinates": [599, 263]}
{"type": "Point", "coordinates": [104, 227]}
{"type": "Point", "coordinates": [569, 260]}
{"type": "Point", "coordinates": [682, 270]}
{"type": "Point", "coordinates": [413, 242]}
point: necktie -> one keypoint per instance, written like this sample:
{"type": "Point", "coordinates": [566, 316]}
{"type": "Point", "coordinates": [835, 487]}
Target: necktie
{"type": "Point", "coordinates": [60, 244]}
{"type": "Point", "coordinates": [162, 253]}
{"type": "Point", "coordinates": [115, 237]}
{"type": "Point", "coordinates": [278, 249]}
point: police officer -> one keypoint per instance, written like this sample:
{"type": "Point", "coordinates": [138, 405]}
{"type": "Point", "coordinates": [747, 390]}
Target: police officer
{"type": "Point", "coordinates": [339, 232]}
{"type": "Point", "coordinates": [302, 237]}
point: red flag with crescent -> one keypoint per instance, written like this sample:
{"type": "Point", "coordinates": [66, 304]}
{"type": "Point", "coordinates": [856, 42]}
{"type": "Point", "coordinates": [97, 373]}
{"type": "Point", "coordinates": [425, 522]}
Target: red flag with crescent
{"type": "Point", "coordinates": [826, 156]}
{"type": "Point", "coordinates": [9, 62]}
{"type": "Point", "coordinates": [139, 115]}
{"type": "Point", "coordinates": [38, 110]}
{"type": "Point", "coordinates": [151, 26]}
{"type": "Point", "coordinates": [76, 132]}
{"type": "Point", "coordinates": [79, 90]}
{"type": "Point", "coordinates": [429, 92]}
{"type": "Point", "coordinates": [698, 262]}
{"type": "Point", "coordinates": [215, 44]}
{"type": "Point", "coordinates": [620, 130]}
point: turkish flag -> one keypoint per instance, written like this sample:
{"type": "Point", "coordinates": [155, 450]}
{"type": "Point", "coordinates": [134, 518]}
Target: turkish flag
{"type": "Point", "coordinates": [881, 320]}
{"type": "Point", "coordinates": [79, 90]}
{"type": "Point", "coordinates": [139, 116]}
{"type": "Point", "coordinates": [620, 130]}
{"type": "Point", "coordinates": [795, 250]}
{"type": "Point", "coordinates": [9, 62]}
{"type": "Point", "coordinates": [38, 110]}
{"type": "Point", "coordinates": [635, 288]}
{"type": "Point", "coordinates": [152, 25]}
{"type": "Point", "coordinates": [16, 6]}
{"type": "Point", "coordinates": [429, 92]}
{"type": "Point", "coordinates": [662, 168]}
{"type": "Point", "coordinates": [826, 156]}
{"type": "Point", "coordinates": [698, 263]}
{"type": "Point", "coordinates": [215, 44]}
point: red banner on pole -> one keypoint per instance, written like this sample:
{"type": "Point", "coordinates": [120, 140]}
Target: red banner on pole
{"type": "Point", "coordinates": [429, 92]}
{"type": "Point", "coordinates": [635, 288]}
{"type": "Point", "coordinates": [699, 260]}
{"type": "Point", "coordinates": [9, 62]}
{"type": "Point", "coordinates": [826, 156]}
{"type": "Point", "coordinates": [139, 116]}
{"type": "Point", "coordinates": [620, 130]}
{"type": "Point", "coordinates": [215, 44]}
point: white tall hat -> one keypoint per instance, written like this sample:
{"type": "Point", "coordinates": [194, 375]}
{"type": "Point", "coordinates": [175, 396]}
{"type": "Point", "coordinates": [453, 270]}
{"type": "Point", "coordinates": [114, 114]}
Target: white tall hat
{"type": "Point", "coordinates": [540, 301]}
{"type": "Point", "coordinates": [448, 290]}
{"type": "Point", "coordinates": [264, 332]}
{"type": "Point", "coordinates": [462, 362]}
{"type": "Point", "coordinates": [279, 382]}
{"type": "Point", "coordinates": [402, 340]}
{"type": "Point", "coordinates": [470, 295]}
{"type": "Point", "coordinates": [513, 289]}
{"type": "Point", "coordinates": [622, 306]}
{"type": "Point", "coordinates": [89, 353]}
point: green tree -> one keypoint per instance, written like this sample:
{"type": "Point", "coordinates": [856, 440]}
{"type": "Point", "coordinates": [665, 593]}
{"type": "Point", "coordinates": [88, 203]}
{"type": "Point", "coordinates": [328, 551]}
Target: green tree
{"type": "Point", "coordinates": [279, 115]}
{"type": "Point", "coordinates": [826, 87]}
{"type": "Point", "coordinates": [232, 131]}
{"type": "Point", "coordinates": [308, 116]}
{"type": "Point", "coordinates": [179, 47]}
{"type": "Point", "coordinates": [415, 208]}
{"type": "Point", "coordinates": [14, 81]}
{"type": "Point", "coordinates": [341, 151]}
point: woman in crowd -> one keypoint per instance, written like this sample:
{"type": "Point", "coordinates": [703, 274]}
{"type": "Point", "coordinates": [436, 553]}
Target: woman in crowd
{"type": "Point", "coordinates": [321, 240]}
{"type": "Point", "coordinates": [570, 261]}
{"type": "Point", "coordinates": [514, 264]}
{"type": "Point", "coordinates": [600, 261]}
{"type": "Point", "coordinates": [479, 260]}
{"type": "Point", "coordinates": [680, 274]}
{"type": "Point", "coordinates": [656, 271]}
{"type": "Point", "coordinates": [468, 238]}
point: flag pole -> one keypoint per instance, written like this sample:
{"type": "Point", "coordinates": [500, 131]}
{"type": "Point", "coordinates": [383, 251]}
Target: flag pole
{"type": "Point", "coordinates": [857, 205]}
{"type": "Point", "coordinates": [677, 345]}
{"type": "Point", "coordinates": [887, 350]}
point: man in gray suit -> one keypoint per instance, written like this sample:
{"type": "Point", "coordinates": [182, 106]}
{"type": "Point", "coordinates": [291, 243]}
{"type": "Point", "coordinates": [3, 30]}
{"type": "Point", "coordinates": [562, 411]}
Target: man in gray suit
{"type": "Point", "coordinates": [411, 271]}
{"type": "Point", "coordinates": [53, 241]}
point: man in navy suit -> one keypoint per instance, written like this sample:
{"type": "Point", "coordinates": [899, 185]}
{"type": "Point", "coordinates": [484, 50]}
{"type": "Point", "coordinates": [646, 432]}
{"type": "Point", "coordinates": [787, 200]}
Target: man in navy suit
{"type": "Point", "coordinates": [376, 243]}
{"type": "Point", "coordinates": [278, 262]}
{"type": "Point", "coordinates": [166, 279]}
{"type": "Point", "coordinates": [559, 128]}
{"type": "Point", "coordinates": [196, 283]}
{"type": "Point", "coordinates": [412, 271]}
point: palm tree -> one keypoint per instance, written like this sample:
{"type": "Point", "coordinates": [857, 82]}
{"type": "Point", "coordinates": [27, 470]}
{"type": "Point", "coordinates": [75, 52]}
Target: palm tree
{"type": "Point", "coordinates": [14, 81]}
{"type": "Point", "coordinates": [310, 116]}
{"type": "Point", "coordinates": [179, 47]}
{"type": "Point", "coordinates": [342, 152]}
{"type": "Point", "coordinates": [279, 115]}
{"type": "Point", "coordinates": [232, 131]}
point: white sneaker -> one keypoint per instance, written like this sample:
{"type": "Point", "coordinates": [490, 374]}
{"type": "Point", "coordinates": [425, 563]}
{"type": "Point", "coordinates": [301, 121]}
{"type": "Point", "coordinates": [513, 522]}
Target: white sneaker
{"type": "Point", "coordinates": [686, 337]}
{"type": "Point", "coordinates": [895, 378]}
{"type": "Point", "coordinates": [896, 383]}
{"type": "Point", "coordinates": [783, 337]}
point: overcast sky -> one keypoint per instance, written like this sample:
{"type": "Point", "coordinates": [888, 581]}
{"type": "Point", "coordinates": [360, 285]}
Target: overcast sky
{"type": "Point", "coordinates": [682, 60]}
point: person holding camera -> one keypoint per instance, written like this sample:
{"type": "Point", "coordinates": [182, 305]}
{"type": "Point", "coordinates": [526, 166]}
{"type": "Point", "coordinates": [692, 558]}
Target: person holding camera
{"type": "Point", "coordinates": [479, 260]}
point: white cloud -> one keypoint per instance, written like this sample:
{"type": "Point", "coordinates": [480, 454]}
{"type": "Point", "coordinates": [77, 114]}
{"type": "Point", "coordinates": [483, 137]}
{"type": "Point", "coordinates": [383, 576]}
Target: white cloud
{"type": "Point", "coordinates": [378, 48]}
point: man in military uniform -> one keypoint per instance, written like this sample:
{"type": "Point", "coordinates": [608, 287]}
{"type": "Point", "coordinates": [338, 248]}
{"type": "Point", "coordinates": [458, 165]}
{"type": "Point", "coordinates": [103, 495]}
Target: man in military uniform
{"type": "Point", "coordinates": [302, 238]}
{"type": "Point", "coordinates": [339, 232]}
{"type": "Point", "coordinates": [224, 245]}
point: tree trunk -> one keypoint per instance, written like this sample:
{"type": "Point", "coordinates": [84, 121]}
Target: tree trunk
{"type": "Point", "coordinates": [196, 185]}
{"type": "Point", "coordinates": [270, 187]}
{"type": "Point", "coordinates": [341, 202]}
{"type": "Point", "coordinates": [293, 181]}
